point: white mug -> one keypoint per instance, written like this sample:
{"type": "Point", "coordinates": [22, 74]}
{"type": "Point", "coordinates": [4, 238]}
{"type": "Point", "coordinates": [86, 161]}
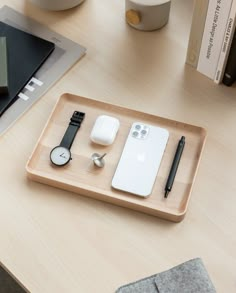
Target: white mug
{"type": "Point", "coordinates": [57, 4]}
{"type": "Point", "coordinates": [147, 15]}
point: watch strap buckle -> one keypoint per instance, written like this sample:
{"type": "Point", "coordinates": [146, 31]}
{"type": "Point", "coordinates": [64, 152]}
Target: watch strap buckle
{"type": "Point", "coordinates": [77, 118]}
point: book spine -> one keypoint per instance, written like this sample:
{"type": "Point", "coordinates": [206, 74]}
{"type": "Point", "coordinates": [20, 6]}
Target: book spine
{"type": "Point", "coordinates": [227, 41]}
{"type": "Point", "coordinates": [216, 20]}
{"type": "Point", "coordinates": [196, 31]}
{"type": "Point", "coordinates": [230, 70]}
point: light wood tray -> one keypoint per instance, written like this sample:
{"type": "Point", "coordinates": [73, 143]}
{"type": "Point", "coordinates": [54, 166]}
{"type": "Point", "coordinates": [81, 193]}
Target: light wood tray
{"type": "Point", "coordinates": [82, 177]}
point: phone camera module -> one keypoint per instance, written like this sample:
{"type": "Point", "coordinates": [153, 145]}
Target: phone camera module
{"type": "Point", "coordinates": [140, 131]}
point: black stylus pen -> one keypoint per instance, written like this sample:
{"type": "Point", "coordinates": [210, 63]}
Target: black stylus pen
{"type": "Point", "coordinates": [174, 166]}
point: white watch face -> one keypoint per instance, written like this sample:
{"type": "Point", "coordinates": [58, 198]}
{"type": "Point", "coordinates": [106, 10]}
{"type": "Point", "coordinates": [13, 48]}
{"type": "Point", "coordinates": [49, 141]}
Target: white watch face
{"type": "Point", "coordinates": [60, 156]}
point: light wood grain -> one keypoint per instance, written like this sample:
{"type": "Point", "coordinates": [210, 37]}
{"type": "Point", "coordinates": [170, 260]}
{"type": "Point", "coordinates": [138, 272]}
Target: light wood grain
{"type": "Point", "coordinates": [58, 241]}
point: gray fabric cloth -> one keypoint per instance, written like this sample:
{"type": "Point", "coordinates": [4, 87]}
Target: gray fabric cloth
{"type": "Point", "coordinates": [144, 285]}
{"type": "Point", "coordinates": [189, 277]}
{"type": "Point", "coordinates": [8, 283]}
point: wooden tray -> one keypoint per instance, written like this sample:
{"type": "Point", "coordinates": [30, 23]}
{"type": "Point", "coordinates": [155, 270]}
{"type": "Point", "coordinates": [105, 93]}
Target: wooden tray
{"type": "Point", "coordinates": [82, 177]}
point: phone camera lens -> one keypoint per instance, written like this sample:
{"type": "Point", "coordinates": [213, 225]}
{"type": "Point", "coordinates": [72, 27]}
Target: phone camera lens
{"type": "Point", "coordinates": [138, 127]}
{"type": "Point", "coordinates": [143, 132]}
{"type": "Point", "coordinates": [135, 133]}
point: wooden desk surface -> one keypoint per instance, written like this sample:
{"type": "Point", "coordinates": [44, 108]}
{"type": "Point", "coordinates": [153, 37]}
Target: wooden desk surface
{"type": "Point", "coordinates": [57, 241]}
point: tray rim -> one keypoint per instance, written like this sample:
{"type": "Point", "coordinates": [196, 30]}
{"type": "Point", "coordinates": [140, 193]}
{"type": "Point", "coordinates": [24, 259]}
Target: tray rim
{"type": "Point", "coordinates": [37, 176]}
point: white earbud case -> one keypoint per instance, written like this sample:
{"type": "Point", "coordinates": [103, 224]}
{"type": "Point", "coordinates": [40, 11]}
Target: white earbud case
{"type": "Point", "coordinates": [104, 130]}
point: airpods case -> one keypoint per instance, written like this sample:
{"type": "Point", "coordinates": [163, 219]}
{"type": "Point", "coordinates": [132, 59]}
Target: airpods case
{"type": "Point", "coordinates": [104, 130]}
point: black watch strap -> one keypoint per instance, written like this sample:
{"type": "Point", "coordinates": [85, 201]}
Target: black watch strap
{"type": "Point", "coordinates": [74, 125]}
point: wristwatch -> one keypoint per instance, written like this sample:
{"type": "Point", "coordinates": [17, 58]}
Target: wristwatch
{"type": "Point", "coordinates": [61, 155]}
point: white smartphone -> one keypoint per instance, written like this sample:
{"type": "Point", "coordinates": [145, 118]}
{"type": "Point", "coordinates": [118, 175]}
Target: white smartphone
{"type": "Point", "coordinates": [140, 159]}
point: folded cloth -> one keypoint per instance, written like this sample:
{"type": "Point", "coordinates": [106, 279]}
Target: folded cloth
{"type": "Point", "coordinates": [189, 277]}
{"type": "Point", "coordinates": [8, 282]}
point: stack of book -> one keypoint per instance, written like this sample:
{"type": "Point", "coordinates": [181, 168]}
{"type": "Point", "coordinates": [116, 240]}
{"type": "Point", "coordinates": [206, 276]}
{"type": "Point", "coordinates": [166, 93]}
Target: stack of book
{"type": "Point", "coordinates": [212, 41]}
